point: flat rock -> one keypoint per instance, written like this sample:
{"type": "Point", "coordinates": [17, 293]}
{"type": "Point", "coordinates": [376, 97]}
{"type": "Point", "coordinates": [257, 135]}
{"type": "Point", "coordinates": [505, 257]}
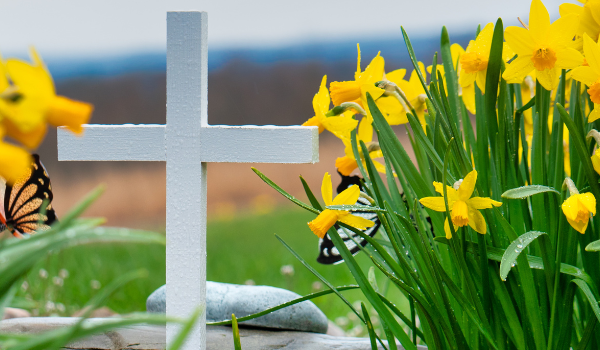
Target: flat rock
{"type": "Point", "coordinates": [217, 337]}
{"type": "Point", "coordinates": [224, 299]}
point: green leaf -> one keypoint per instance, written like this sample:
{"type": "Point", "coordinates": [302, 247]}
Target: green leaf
{"type": "Point", "coordinates": [236, 333]}
{"type": "Point", "coordinates": [369, 326]}
{"type": "Point", "coordinates": [283, 192]}
{"type": "Point", "coordinates": [593, 247]}
{"type": "Point", "coordinates": [514, 250]}
{"type": "Point", "coordinates": [590, 296]}
{"type": "Point", "coordinates": [578, 141]}
{"type": "Point", "coordinates": [356, 207]}
{"type": "Point", "coordinates": [527, 191]}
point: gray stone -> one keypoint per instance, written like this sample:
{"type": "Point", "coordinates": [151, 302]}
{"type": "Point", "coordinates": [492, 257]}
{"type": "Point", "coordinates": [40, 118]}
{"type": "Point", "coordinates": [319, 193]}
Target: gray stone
{"type": "Point", "coordinates": [217, 337]}
{"type": "Point", "coordinates": [224, 299]}
{"type": "Point", "coordinates": [157, 301]}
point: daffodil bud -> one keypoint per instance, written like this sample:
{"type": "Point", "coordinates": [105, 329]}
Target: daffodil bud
{"type": "Point", "coordinates": [457, 184]}
{"type": "Point", "coordinates": [394, 90]}
{"type": "Point", "coordinates": [338, 110]}
{"type": "Point", "coordinates": [373, 146]}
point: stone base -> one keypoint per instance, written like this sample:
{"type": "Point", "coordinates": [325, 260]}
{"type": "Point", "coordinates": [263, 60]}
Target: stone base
{"type": "Point", "coordinates": [144, 337]}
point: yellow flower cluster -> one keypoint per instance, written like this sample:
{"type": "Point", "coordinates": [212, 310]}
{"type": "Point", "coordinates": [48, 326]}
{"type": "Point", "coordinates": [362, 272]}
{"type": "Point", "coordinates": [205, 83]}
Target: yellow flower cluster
{"type": "Point", "coordinates": [536, 52]}
{"type": "Point", "coordinates": [28, 102]}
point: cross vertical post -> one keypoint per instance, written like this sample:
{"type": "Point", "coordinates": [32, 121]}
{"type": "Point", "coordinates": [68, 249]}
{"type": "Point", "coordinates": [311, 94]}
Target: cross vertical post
{"type": "Point", "coordinates": [187, 79]}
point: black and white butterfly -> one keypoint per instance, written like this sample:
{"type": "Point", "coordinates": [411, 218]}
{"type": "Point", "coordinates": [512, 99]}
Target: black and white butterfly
{"type": "Point", "coordinates": [328, 253]}
{"type": "Point", "coordinates": [21, 213]}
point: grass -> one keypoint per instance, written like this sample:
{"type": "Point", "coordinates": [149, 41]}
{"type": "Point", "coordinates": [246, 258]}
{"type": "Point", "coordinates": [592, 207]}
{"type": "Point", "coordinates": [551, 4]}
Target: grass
{"type": "Point", "coordinates": [240, 250]}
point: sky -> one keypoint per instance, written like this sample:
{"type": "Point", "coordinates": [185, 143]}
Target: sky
{"type": "Point", "coordinates": [105, 27]}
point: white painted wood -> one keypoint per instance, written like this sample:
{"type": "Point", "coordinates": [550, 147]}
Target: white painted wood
{"type": "Point", "coordinates": [187, 143]}
{"type": "Point", "coordinates": [129, 142]}
{"type": "Point", "coordinates": [187, 79]}
{"type": "Point", "coordinates": [219, 144]}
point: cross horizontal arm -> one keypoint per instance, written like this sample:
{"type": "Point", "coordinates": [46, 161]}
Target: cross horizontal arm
{"type": "Point", "coordinates": [219, 143]}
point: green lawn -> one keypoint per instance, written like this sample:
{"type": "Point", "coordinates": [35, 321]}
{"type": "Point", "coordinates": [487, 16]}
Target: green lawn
{"type": "Point", "coordinates": [239, 250]}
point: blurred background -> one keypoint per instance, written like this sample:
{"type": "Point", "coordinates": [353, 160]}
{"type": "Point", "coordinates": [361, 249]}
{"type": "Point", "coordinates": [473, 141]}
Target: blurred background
{"type": "Point", "coordinates": [266, 61]}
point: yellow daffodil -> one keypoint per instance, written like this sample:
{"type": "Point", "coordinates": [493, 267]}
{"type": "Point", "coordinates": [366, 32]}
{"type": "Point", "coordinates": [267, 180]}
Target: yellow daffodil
{"type": "Point", "coordinates": [364, 81]}
{"type": "Point", "coordinates": [14, 161]}
{"type": "Point", "coordinates": [38, 104]}
{"type": "Point", "coordinates": [596, 160]}
{"type": "Point", "coordinates": [464, 209]}
{"type": "Point", "coordinates": [328, 217]}
{"type": "Point", "coordinates": [415, 94]}
{"type": "Point", "coordinates": [588, 18]}
{"type": "Point", "coordinates": [578, 208]}
{"type": "Point", "coordinates": [590, 74]}
{"type": "Point", "coordinates": [545, 47]}
{"type": "Point", "coordinates": [340, 126]}
{"type": "Point", "coordinates": [474, 61]}
{"type": "Point", "coordinates": [346, 164]}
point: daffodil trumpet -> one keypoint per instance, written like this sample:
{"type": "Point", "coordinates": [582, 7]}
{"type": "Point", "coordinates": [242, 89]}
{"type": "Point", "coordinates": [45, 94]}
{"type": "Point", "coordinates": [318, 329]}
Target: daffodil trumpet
{"type": "Point", "coordinates": [464, 209]}
{"type": "Point", "coordinates": [578, 208]}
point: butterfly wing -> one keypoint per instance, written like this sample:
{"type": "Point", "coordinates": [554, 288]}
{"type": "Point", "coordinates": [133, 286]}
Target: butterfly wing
{"type": "Point", "coordinates": [328, 253]}
{"type": "Point", "coordinates": [24, 199]}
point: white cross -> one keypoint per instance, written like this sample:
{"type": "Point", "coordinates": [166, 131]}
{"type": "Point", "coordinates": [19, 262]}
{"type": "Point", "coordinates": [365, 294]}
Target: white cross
{"type": "Point", "coordinates": [187, 143]}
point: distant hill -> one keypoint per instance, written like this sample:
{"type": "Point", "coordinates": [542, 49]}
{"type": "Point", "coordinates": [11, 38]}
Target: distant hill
{"type": "Point", "coordinates": [246, 86]}
{"type": "Point", "coordinates": [326, 53]}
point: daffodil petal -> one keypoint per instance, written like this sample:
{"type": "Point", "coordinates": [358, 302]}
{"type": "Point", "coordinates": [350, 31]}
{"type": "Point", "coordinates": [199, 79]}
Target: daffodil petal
{"type": "Point", "coordinates": [30, 139]}
{"type": "Point", "coordinates": [585, 75]}
{"type": "Point", "coordinates": [595, 115]}
{"type": "Point", "coordinates": [14, 162]}
{"type": "Point", "coordinates": [592, 53]}
{"type": "Point", "coordinates": [570, 208]}
{"type": "Point", "coordinates": [314, 121]}
{"type": "Point", "coordinates": [567, 8]}
{"type": "Point", "coordinates": [518, 69]}
{"type": "Point", "coordinates": [476, 221]}
{"type": "Point", "coordinates": [588, 201]}
{"type": "Point", "coordinates": [396, 75]}
{"type": "Point", "coordinates": [340, 126]}
{"type": "Point", "coordinates": [480, 79]}
{"type": "Point", "coordinates": [348, 196]}
{"type": "Point", "coordinates": [447, 229]}
{"type": "Point", "coordinates": [455, 52]}
{"type": "Point", "coordinates": [548, 78]}
{"type": "Point", "coordinates": [467, 79]}
{"type": "Point", "coordinates": [596, 160]}
{"type": "Point", "coordinates": [374, 71]}
{"type": "Point", "coordinates": [326, 189]}
{"type": "Point", "coordinates": [365, 131]}
{"type": "Point", "coordinates": [564, 28]}
{"type": "Point", "coordinates": [579, 226]}
{"type": "Point", "coordinates": [483, 203]}
{"type": "Point", "coordinates": [355, 221]}
{"type": "Point", "coordinates": [467, 186]}
{"type": "Point", "coordinates": [434, 203]}
{"type": "Point", "coordinates": [519, 39]}
{"type": "Point", "coordinates": [568, 58]}
{"type": "Point", "coordinates": [539, 21]}
{"type": "Point", "coordinates": [321, 100]}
